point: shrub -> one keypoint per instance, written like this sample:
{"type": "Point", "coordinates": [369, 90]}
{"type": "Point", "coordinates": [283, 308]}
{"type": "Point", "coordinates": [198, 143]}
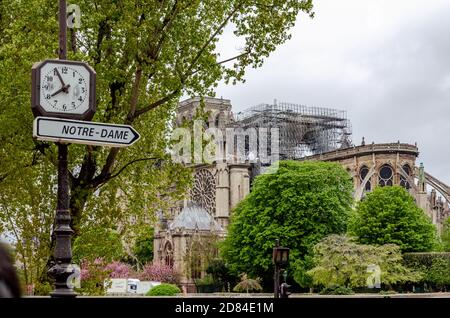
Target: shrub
{"type": "Point", "coordinates": [247, 285]}
{"type": "Point", "coordinates": [434, 266]}
{"type": "Point", "coordinates": [336, 290]}
{"type": "Point", "coordinates": [164, 290]}
{"type": "Point", "coordinates": [207, 285]}
{"type": "Point", "coordinates": [339, 261]}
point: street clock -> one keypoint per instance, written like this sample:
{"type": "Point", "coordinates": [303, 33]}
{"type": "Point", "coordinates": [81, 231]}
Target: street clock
{"type": "Point", "coordinates": [63, 89]}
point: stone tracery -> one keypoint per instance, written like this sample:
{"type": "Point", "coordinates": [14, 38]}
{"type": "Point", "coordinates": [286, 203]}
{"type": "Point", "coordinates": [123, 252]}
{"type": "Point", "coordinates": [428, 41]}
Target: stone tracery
{"type": "Point", "coordinates": [204, 190]}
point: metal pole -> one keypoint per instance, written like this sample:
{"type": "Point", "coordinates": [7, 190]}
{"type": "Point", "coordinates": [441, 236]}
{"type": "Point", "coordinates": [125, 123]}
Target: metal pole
{"type": "Point", "coordinates": [62, 30]}
{"type": "Point", "coordinates": [62, 269]}
{"type": "Point", "coordinates": [63, 233]}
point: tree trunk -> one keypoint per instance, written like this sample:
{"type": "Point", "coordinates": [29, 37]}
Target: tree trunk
{"type": "Point", "coordinates": [78, 199]}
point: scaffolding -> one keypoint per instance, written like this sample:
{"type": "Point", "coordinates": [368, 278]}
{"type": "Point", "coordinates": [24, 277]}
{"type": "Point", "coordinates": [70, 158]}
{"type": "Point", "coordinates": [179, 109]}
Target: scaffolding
{"type": "Point", "coordinates": [303, 130]}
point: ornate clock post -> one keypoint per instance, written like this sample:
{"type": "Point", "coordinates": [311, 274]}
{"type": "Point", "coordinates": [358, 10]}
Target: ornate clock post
{"type": "Point", "coordinates": [63, 89]}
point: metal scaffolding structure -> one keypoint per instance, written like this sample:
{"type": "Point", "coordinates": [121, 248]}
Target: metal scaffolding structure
{"type": "Point", "coordinates": [303, 130]}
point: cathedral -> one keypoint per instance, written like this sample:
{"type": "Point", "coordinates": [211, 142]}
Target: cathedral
{"type": "Point", "coordinates": [303, 133]}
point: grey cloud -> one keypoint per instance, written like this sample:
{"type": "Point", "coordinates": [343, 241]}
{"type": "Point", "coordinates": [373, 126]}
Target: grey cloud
{"type": "Point", "coordinates": [395, 84]}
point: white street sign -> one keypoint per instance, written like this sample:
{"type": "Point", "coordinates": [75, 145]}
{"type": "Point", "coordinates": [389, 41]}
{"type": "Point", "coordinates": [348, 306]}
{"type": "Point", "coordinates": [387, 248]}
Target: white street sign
{"type": "Point", "coordinates": [83, 132]}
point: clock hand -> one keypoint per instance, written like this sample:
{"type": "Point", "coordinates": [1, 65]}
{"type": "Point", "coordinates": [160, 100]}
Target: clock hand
{"type": "Point", "coordinates": [62, 89]}
{"type": "Point", "coordinates": [60, 78]}
{"type": "Point", "coordinates": [66, 88]}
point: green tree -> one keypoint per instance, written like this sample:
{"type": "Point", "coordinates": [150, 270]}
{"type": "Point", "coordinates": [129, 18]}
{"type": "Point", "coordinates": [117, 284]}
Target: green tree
{"type": "Point", "coordinates": [147, 54]}
{"type": "Point", "coordinates": [445, 236]}
{"type": "Point", "coordinates": [389, 215]}
{"type": "Point", "coordinates": [435, 267]}
{"type": "Point", "coordinates": [339, 261]}
{"type": "Point", "coordinates": [98, 242]}
{"type": "Point", "coordinates": [143, 248]}
{"type": "Point", "coordinates": [299, 203]}
{"type": "Point", "coordinates": [202, 251]}
{"type": "Point", "coordinates": [26, 218]}
{"type": "Point", "coordinates": [439, 272]}
{"type": "Point", "coordinates": [221, 274]}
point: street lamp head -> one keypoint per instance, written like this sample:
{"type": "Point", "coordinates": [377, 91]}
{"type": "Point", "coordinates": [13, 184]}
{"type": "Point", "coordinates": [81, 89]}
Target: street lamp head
{"type": "Point", "coordinates": [284, 255]}
{"type": "Point", "coordinates": [280, 256]}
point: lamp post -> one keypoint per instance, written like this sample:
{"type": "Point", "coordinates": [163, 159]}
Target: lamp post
{"type": "Point", "coordinates": [61, 270]}
{"type": "Point", "coordinates": [280, 258]}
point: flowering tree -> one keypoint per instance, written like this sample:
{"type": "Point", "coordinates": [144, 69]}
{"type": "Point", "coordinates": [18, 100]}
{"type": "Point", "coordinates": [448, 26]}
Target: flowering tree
{"type": "Point", "coordinates": [93, 275]}
{"type": "Point", "coordinates": [119, 270]}
{"type": "Point", "coordinates": [159, 272]}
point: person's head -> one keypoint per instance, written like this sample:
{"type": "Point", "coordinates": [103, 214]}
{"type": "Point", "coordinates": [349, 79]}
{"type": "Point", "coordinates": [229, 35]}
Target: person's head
{"type": "Point", "coordinates": [9, 283]}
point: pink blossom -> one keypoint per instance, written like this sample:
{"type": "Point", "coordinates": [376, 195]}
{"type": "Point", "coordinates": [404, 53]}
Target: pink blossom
{"type": "Point", "coordinates": [159, 272]}
{"type": "Point", "coordinates": [118, 270]}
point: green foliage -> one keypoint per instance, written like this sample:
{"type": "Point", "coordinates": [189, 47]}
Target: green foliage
{"type": "Point", "coordinates": [98, 242]}
{"type": "Point", "coordinates": [207, 280]}
{"type": "Point", "coordinates": [221, 273]}
{"type": "Point", "coordinates": [389, 215]}
{"type": "Point", "coordinates": [164, 290]}
{"type": "Point", "coordinates": [202, 251]}
{"type": "Point", "coordinates": [207, 284]}
{"type": "Point", "coordinates": [27, 211]}
{"type": "Point", "coordinates": [42, 289]}
{"type": "Point", "coordinates": [143, 248]}
{"type": "Point", "coordinates": [248, 285]}
{"type": "Point", "coordinates": [299, 203]}
{"type": "Point", "coordinates": [302, 266]}
{"type": "Point", "coordinates": [146, 56]}
{"type": "Point", "coordinates": [445, 236]}
{"type": "Point", "coordinates": [339, 261]}
{"type": "Point", "coordinates": [336, 290]}
{"type": "Point", "coordinates": [439, 273]}
{"type": "Point", "coordinates": [434, 266]}
{"type": "Point", "coordinates": [93, 276]}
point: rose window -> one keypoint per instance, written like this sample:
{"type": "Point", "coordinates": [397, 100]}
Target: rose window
{"type": "Point", "coordinates": [204, 190]}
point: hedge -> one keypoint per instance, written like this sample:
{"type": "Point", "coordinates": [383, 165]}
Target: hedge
{"type": "Point", "coordinates": [434, 266]}
{"type": "Point", "coordinates": [424, 259]}
{"type": "Point", "coordinates": [164, 290]}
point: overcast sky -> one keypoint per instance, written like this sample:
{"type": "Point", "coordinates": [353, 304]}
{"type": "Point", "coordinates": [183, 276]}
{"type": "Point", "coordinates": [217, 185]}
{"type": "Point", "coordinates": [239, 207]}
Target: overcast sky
{"type": "Point", "coordinates": [387, 63]}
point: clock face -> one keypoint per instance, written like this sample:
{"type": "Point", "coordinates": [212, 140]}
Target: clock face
{"type": "Point", "coordinates": [64, 88]}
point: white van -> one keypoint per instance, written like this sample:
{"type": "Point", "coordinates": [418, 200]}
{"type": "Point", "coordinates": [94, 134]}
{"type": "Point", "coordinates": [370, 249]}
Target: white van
{"type": "Point", "coordinates": [132, 285]}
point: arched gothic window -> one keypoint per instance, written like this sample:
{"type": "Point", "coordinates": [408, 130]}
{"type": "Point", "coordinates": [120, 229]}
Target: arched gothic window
{"type": "Point", "coordinates": [362, 175]}
{"type": "Point", "coordinates": [385, 176]}
{"type": "Point", "coordinates": [217, 121]}
{"type": "Point", "coordinates": [403, 182]}
{"type": "Point", "coordinates": [196, 260]}
{"type": "Point", "coordinates": [168, 254]}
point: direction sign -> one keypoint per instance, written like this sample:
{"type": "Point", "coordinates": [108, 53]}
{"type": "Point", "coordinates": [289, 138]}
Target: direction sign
{"type": "Point", "coordinates": [84, 132]}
